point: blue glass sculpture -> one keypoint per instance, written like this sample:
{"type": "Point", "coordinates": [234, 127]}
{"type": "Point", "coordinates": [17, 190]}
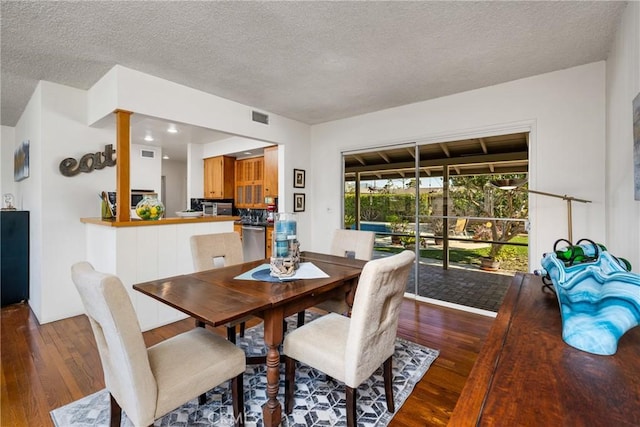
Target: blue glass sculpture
{"type": "Point", "coordinates": [599, 301]}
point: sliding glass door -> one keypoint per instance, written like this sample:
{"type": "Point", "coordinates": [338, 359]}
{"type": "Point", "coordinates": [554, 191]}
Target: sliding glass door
{"type": "Point", "coordinates": [437, 200]}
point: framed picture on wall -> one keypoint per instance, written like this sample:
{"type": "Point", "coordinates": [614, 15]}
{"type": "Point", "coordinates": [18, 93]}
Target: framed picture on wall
{"type": "Point", "coordinates": [298, 202]}
{"type": "Point", "coordinates": [298, 178]}
{"type": "Point", "coordinates": [21, 161]}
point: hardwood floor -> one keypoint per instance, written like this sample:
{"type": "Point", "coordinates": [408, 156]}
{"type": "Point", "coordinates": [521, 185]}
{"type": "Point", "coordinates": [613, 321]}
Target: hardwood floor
{"type": "Point", "coordinates": [47, 366]}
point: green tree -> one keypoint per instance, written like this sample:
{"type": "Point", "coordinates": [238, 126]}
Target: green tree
{"type": "Point", "coordinates": [477, 197]}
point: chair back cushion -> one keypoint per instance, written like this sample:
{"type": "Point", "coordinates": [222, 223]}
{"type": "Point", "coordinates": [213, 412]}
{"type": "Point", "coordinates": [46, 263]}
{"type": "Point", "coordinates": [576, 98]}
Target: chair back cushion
{"type": "Point", "coordinates": [358, 242]}
{"type": "Point", "coordinates": [123, 353]}
{"type": "Point", "coordinates": [374, 317]}
{"type": "Point", "coordinates": [205, 248]}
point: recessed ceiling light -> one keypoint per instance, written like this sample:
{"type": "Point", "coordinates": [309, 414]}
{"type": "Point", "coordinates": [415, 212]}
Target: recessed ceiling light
{"type": "Point", "coordinates": [172, 128]}
{"type": "Point", "coordinates": [247, 152]}
{"type": "Point", "coordinates": [148, 138]}
{"type": "Point", "coordinates": [165, 157]}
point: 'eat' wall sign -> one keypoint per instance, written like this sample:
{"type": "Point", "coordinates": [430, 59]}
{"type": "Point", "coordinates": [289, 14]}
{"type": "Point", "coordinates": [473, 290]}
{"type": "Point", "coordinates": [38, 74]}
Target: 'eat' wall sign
{"type": "Point", "coordinates": [88, 162]}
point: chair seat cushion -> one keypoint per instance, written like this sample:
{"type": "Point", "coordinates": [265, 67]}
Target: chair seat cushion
{"type": "Point", "coordinates": [186, 366]}
{"type": "Point", "coordinates": [321, 344]}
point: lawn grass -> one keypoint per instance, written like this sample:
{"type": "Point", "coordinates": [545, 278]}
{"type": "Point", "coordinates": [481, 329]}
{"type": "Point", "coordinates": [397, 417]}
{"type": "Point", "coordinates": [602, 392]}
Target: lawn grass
{"type": "Point", "coordinates": [515, 258]}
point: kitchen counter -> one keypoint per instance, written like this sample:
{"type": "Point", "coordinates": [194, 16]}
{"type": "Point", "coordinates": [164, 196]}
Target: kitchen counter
{"type": "Point", "coordinates": [254, 224]}
{"type": "Point", "coordinates": [163, 221]}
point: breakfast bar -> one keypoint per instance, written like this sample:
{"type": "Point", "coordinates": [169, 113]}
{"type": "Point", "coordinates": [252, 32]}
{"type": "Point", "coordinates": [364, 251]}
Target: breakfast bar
{"type": "Point", "coordinates": [139, 251]}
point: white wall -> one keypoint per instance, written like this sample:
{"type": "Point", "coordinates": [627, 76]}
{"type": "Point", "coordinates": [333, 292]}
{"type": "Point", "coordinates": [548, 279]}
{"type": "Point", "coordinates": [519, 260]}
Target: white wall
{"type": "Point", "coordinates": [54, 122]}
{"type": "Point", "coordinates": [175, 173]}
{"type": "Point", "coordinates": [145, 172]}
{"type": "Point", "coordinates": [7, 148]}
{"type": "Point", "coordinates": [564, 110]}
{"type": "Point", "coordinates": [231, 145]}
{"type": "Point", "coordinates": [623, 84]}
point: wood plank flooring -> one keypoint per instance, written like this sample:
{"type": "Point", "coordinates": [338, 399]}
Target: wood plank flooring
{"type": "Point", "coordinates": [47, 366]}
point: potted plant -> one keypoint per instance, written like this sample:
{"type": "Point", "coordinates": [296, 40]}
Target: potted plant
{"type": "Point", "coordinates": [438, 229]}
{"type": "Point", "coordinates": [396, 226]}
{"type": "Point", "coordinates": [485, 232]}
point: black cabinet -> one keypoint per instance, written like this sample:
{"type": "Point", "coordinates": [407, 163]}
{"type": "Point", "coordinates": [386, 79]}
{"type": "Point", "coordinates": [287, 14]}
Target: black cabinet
{"type": "Point", "coordinates": [15, 256]}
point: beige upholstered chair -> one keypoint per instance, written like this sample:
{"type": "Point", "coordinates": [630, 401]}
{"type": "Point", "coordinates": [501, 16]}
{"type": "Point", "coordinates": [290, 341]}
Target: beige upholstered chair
{"type": "Point", "coordinates": [214, 251]}
{"type": "Point", "coordinates": [347, 243]}
{"type": "Point", "coordinates": [351, 349]}
{"type": "Point", "coordinates": [355, 243]}
{"type": "Point", "coordinates": [208, 250]}
{"type": "Point", "coordinates": [150, 382]}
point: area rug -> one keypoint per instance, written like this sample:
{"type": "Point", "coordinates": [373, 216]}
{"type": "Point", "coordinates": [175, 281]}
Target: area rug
{"type": "Point", "coordinates": [319, 401]}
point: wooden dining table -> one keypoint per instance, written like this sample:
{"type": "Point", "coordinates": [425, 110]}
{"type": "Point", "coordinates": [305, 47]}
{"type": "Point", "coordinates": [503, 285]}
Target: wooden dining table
{"type": "Point", "coordinates": [216, 297]}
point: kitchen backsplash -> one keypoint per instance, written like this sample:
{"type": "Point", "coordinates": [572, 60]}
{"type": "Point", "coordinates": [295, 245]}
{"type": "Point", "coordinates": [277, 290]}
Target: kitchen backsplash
{"type": "Point", "coordinates": [252, 215]}
{"type": "Point", "coordinates": [247, 215]}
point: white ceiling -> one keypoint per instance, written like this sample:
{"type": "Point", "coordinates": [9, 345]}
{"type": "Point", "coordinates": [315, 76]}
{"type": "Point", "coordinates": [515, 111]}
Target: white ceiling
{"type": "Point", "coordinates": [306, 60]}
{"type": "Point", "coordinates": [173, 145]}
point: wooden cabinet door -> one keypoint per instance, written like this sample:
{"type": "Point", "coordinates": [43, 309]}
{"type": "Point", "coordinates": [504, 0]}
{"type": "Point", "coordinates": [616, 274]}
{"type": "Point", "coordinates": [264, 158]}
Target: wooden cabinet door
{"type": "Point", "coordinates": [271, 171]}
{"type": "Point", "coordinates": [250, 183]}
{"type": "Point", "coordinates": [238, 229]}
{"type": "Point", "coordinates": [210, 170]}
{"type": "Point", "coordinates": [269, 241]}
{"type": "Point", "coordinates": [219, 177]}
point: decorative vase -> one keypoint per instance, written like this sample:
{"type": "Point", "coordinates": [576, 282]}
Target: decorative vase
{"type": "Point", "coordinates": [286, 249]}
{"type": "Point", "coordinates": [599, 301]}
{"type": "Point", "coordinates": [150, 208]}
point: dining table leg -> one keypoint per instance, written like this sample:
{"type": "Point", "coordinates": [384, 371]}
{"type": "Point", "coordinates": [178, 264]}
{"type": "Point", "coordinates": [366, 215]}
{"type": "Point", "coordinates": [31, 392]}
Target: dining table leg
{"type": "Point", "coordinates": [273, 336]}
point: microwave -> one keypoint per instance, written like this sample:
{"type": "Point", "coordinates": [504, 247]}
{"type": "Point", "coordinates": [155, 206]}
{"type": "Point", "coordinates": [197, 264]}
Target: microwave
{"type": "Point", "coordinates": [136, 196]}
{"type": "Point", "coordinates": [217, 208]}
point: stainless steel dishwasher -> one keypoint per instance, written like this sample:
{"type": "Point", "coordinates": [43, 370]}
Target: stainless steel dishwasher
{"type": "Point", "coordinates": [253, 243]}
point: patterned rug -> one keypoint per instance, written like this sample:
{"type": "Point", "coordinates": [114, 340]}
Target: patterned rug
{"type": "Point", "coordinates": [318, 401]}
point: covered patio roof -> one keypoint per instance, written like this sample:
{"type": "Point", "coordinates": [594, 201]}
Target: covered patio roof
{"type": "Point", "coordinates": [503, 154]}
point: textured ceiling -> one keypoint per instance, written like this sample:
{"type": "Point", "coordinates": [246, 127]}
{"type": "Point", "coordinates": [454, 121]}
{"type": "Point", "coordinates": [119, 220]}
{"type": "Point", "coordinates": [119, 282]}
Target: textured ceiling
{"type": "Point", "coordinates": [309, 61]}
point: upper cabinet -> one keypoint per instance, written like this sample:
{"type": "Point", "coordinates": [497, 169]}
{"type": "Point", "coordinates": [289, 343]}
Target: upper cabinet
{"type": "Point", "coordinates": [271, 171]}
{"type": "Point", "coordinates": [219, 175]}
{"type": "Point", "coordinates": [257, 178]}
{"type": "Point", "coordinates": [250, 183]}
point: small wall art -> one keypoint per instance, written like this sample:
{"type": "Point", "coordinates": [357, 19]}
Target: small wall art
{"type": "Point", "coordinates": [21, 161]}
{"type": "Point", "coordinates": [298, 202]}
{"type": "Point", "coordinates": [298, 178]}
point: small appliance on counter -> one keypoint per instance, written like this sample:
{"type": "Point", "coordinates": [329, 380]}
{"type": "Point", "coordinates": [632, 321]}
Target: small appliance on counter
{"type": "Point", "coordinates": [271, 213]}
{"type": "Point", "coordinates": [211, 207]}
{"type": "Point", "coordinates": [217, 208]}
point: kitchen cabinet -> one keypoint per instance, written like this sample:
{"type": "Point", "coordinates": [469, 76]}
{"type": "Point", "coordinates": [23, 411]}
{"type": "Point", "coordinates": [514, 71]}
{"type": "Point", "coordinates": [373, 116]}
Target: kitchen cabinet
{"type": "Point", "coordinates": [271, 171]}
{"type": "Point", "coordinates": [250, 183]}
{"type": "Point", "coordinates": [269, 242]}
{"type": "Point", "coordinates": [219, 177]}
{"type": "Point", "coordinates": [238, 229]}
